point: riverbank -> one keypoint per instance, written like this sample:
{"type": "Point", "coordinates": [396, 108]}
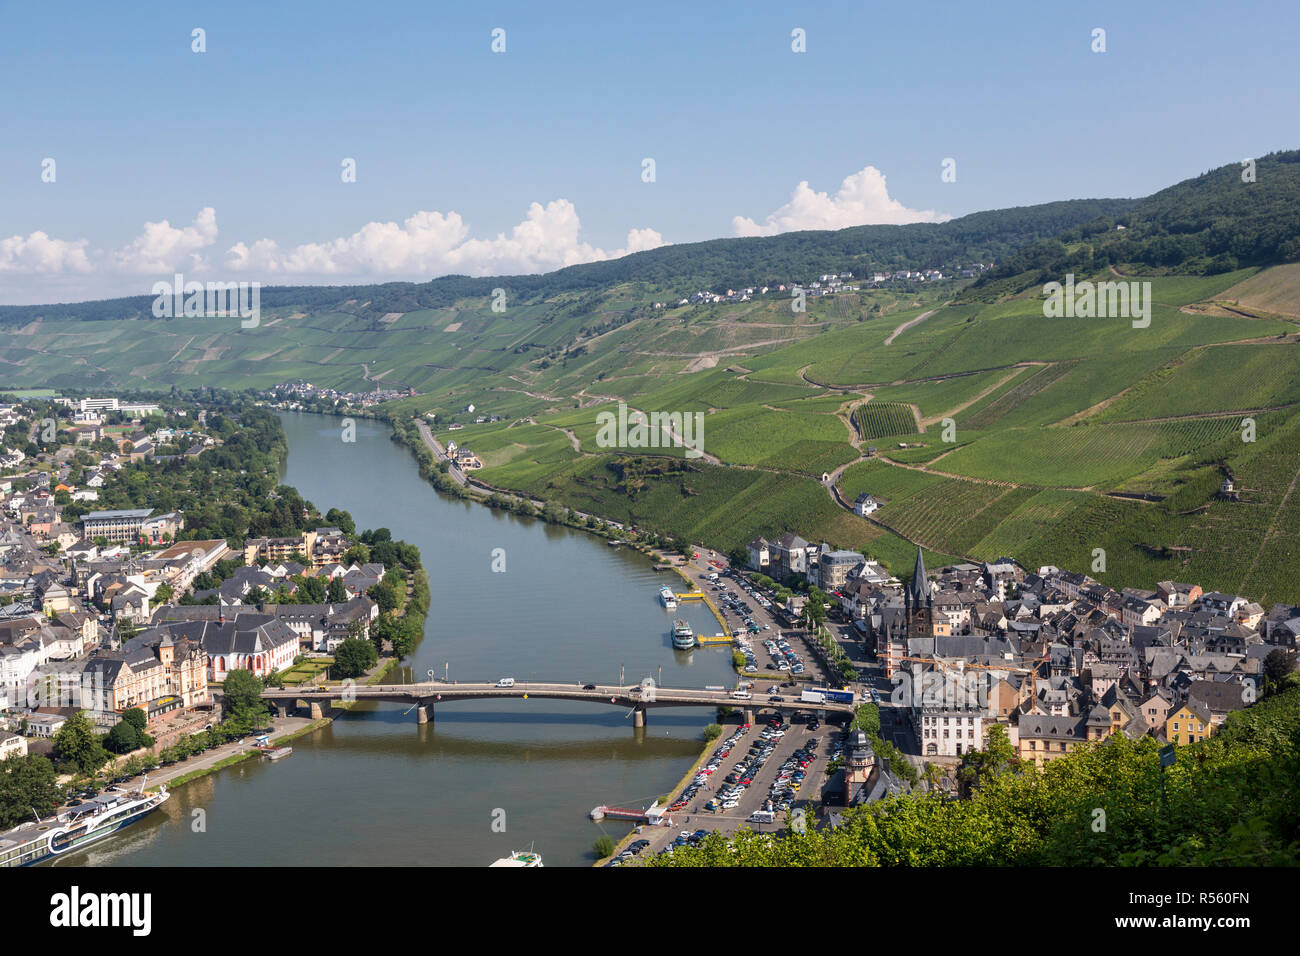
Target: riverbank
{"type": "Point", "coordinates": [681, 785]}
{"type": "Point", "coordinates": [289, 728]}
{"type": "Point", "coordinates": [284, 728]}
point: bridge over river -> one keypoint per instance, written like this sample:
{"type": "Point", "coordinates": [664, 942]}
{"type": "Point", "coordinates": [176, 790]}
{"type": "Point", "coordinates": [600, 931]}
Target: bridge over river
{"type": "Point", "coordinates": [638, 699]}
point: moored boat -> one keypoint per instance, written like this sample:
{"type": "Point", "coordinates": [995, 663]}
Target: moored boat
{"type": "Point", "coordinates": [683, 635]}
{"type": "Point", "coordinates": [76, 826]}
{"type": "Point", "coordinates": [668, 598]}
{"type": "Point", "coordinates": [520, 858]}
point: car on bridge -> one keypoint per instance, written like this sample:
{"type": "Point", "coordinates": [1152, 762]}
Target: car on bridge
{"type": "Point", "coordinates": [506, 682]}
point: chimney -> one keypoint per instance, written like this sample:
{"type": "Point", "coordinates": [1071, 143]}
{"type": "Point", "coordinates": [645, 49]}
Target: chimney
{"type": "Point", "coordinates": [221, 618]}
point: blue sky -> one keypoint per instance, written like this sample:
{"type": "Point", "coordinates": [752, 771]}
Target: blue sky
{"type": "Point", "coordinates": [145, 131]}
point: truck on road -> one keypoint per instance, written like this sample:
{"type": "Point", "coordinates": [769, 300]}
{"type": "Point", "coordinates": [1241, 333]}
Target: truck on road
{"type": "Point", "coordinates": [813, 696]}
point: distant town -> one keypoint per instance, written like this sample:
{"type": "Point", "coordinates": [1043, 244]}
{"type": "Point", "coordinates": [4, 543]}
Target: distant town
{"type": "Point", "coordinates": [829, 283]}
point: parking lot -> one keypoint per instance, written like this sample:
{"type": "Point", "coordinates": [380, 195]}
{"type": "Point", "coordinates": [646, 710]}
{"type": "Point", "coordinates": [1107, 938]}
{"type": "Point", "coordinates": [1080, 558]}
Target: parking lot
{"type": "Point", "coordinates": [754, 622]}
{"type": "Point", "coordinates": [752, 768]}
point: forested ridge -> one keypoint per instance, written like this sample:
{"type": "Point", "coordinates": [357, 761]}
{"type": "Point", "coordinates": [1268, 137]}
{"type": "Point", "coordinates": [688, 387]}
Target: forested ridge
{"type": "Point", "coordinates": [676, 269]}
{"type": "Point", "coordinates": [1225, 219]}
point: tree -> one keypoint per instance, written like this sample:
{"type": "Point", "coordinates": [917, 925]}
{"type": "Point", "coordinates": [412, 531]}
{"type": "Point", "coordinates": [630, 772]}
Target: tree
{"type": "Point", "coordinates": [354, 657]}
{"type": "Point", "coordinates": [78, 746]}
{"type": "Point", "coordinates": [27, 782]}
{"type": "Point", "coordinates": [242, 688]}
{"type": "Point", "coordinates": [163, 595]}
{"type": "Point", "coordinates": [384, 595]}
{"type": "Point", "coordinates": [738, 557]}
{"type": "Point", "coordinates": [136, 718]}
{"type": "Point", "coordinates": [604, 846]}
{"type": "Point", "coordinates": [1277, 666]}
{"type": "Point", "coordinates": [310, 590]}
{"type": "Point", "coordinates": [384, 628]}
{"type": "Point", "coordinates": [336, 592]}
{"type": "Point", "coordinates": [712, 731]}
{"type": "Point", "coordinates": [242, 694]}
{"type": "Point", "coordinates": [867, 720]}
{"type": "Point", "coordinates": [125, 629]}
{"type": "Point", "coordinates": [122, 739]}
{"type": "Point", "coordinates": [342, 520]}
{"type": "Point", "coordinates": [979, 766]}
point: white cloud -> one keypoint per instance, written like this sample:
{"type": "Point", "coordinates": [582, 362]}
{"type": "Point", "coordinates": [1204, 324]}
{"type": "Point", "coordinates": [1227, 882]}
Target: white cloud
{"type": "Point", "coordinates": [164, 248]}
{"type": "Point", "coordinates": [38, 253]}
{"type": "Point", "coordinates": [429, 244]}
{"type": "Point", "coordinates": [425, 245]}
{"type": "Point", "coordinates": [862, 200]}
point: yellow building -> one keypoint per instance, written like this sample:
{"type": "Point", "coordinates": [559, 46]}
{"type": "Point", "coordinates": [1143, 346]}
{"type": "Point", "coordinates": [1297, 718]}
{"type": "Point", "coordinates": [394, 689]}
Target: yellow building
{"type": "Point", "coordinates": [1188, 724]}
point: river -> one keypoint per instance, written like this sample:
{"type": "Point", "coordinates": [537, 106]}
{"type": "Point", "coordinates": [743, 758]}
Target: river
{"type": "Point", "coordinates": [484, 777]}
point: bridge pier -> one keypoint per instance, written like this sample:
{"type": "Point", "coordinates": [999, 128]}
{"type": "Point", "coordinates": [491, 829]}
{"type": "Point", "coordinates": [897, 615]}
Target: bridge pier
{"type": "Point", "coordinates": [424, 712]}
{"type": "Point", "coordinates": [750, 715]}
{"type": "Point", "coordinates": [317, 710]}
{"type": "Point", "coordinates": [281, 711]}
{"type": "Point", "coordinates": [638, 716]}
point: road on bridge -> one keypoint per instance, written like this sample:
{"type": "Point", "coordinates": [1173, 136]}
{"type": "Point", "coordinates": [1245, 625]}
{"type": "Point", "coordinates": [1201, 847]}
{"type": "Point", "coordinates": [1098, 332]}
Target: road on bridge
{"type": "Point", "coordinates": [635, 697]}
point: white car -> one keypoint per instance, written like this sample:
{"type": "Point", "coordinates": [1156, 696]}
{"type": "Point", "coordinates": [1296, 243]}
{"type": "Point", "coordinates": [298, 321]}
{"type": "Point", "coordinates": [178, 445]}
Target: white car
{"type": "Point", "coordinates": [730, 804]}
{"type": "Point", "coordinates": [506, 682]}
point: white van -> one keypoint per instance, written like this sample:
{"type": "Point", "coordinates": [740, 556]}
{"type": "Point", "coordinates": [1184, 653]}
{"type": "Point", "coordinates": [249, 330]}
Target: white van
{"type": "Point", "coordinates": [762, 816]}
{"type": "Point", "coordinates": [506, 682]}
{"type": "Point", "coordinates": [741, 695]}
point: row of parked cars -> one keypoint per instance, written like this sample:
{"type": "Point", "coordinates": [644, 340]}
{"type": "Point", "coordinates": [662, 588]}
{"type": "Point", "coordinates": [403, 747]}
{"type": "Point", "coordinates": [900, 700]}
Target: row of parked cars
{"type": "Point", "coordinates": [784, 656]}
{"type": "Point", "coordinates": [734, 605]}
{"type": "Point", "coordinates": [743, 773]}
{"type": "Point", "coordinates": [790, 777]}
{"type": "Point", "coordinates": [714, 763]}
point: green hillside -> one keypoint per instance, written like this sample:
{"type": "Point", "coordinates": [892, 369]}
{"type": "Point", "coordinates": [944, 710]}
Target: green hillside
{"type": "Point", "coordinates": [996, 430]}
{"type": "Point", "coordinates": [1224, 219]}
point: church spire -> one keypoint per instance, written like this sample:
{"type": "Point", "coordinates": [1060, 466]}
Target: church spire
{"type": "Point", "coordinates": [918, 590]}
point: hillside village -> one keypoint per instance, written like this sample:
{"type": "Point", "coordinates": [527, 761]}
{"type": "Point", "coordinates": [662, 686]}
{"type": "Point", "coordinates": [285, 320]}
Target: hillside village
{"type": "Point", "coordinates": [829, 283]}
{"type": "Point", "coordinates": [1055, 657]}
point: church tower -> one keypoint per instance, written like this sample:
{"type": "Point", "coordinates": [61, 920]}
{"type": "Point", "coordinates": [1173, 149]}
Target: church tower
{"type": "Point", "coordinates": [920, 621]}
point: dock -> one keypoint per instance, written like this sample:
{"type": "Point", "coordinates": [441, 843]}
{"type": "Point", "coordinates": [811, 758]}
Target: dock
{"type": "Point", "coordinates": [617, 813]}
{"type": "Point", "coordinates": [713, 638]}
{"type": "Point", "coordinates": [701, 596]}
{"type": "Point", "coordinates": [654, 815]}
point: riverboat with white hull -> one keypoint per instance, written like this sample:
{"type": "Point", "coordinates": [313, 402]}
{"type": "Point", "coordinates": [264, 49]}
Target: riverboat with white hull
{"type": "Point", "coordinates": [668, 599]}
{"type": "Point", "coordinates": [74, 827]}
{"type": "Point", "coordinates": [683, 636]}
